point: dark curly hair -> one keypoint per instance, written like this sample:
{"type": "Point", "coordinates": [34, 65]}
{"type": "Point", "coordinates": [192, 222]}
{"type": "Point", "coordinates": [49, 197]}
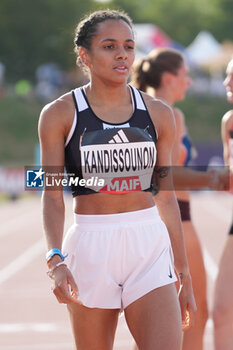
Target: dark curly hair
{"type": "Point", "coordinates": [148, 72]}
{"type": "Point", "coordinates": [87, 28]}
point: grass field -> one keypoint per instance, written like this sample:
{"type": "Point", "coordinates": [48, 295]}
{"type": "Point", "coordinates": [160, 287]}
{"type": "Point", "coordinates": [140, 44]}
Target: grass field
{"type": "Point", "coordinates": [19, 118]}
{"type": "Point", "coordinates": [18, 130]}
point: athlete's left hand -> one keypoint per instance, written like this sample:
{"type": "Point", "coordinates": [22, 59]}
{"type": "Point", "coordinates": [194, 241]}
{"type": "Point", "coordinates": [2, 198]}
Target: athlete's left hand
{"type": "Point", "coordinates": [187, 301]}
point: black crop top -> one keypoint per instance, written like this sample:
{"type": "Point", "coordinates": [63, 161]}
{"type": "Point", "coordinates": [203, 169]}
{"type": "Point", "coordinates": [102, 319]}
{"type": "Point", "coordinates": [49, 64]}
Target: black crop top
{"type": "Point", "coordinates": [111, 158]}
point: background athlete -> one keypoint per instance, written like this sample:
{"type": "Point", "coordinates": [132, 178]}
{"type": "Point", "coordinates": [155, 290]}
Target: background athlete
{"type": "Point", "coordinates": [223, 300]}
{"type": "Point", "coordinates": [164, 75]}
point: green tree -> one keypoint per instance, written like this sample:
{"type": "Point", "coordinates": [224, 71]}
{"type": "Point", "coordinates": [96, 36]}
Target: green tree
{"type": "Point", "coordinates": [183, 20]}
{"type": "Point", "coordinates": [178, 19]}
{"type": "Point", "coordinates": [35, 32]}
{"type": "Point", "coordinates": [221, 24]}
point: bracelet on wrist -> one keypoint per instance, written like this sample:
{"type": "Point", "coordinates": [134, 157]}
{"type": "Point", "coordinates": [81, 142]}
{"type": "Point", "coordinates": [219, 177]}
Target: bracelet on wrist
{"type": "Point", "coordinates": [55, 251]}
{"type": "Point", "coordinates": [51, 271]}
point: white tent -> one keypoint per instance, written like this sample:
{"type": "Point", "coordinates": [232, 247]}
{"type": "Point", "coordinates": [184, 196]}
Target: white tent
{"type": "Point", "coordinates": [220, 61]}
{"type": "Point", "coordinates": [203, 48]}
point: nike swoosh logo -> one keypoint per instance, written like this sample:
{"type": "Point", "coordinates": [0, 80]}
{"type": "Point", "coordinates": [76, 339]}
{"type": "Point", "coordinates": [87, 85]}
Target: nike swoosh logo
{"type": "Point", "coordinates": [170, 273]}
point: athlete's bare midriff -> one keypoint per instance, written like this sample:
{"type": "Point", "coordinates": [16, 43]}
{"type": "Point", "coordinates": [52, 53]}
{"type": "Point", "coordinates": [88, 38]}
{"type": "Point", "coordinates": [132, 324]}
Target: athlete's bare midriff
{"type": "Point", "coordinates": [102, 203]}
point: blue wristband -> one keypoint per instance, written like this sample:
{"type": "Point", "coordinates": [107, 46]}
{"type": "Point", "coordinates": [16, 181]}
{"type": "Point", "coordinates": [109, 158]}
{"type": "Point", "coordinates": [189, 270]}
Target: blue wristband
{"type": "Point", "coordinates": [55, 251]}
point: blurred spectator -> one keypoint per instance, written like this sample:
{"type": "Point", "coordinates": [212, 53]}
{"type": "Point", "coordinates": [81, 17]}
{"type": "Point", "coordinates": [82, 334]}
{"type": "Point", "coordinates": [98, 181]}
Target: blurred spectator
{"type": "Point", "coordinates": [2, 73]}
{"type": "Point", "coordinates": [2, 76]}
{"type": "Point", "coordinates": [50, 79]}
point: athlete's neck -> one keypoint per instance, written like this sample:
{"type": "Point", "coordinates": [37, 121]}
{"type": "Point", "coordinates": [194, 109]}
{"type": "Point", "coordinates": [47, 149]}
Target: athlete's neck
{"type": "Point", "coordinates": [103, 94]}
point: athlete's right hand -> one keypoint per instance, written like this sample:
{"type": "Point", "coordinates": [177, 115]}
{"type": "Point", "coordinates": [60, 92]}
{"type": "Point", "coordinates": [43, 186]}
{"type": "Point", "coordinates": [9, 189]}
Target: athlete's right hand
{"type": "Point", "coordinates": [225, 178]}
{"type": "Point", "coordinates": [63, 285]}
{"type": "Point", "coordinates": [216, 180]}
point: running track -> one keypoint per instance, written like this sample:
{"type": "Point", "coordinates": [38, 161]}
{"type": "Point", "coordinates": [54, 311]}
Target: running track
{"type": "Point", "coordinates": [30, 317]}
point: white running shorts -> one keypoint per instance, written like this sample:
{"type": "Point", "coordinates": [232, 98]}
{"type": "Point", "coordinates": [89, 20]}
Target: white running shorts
{"type": "Point", "coordinates": [117, 258]}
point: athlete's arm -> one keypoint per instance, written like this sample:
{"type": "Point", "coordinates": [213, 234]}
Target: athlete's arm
{"type": "Point", "coordinates": [226, 124]}
{"type": "Point", "coordinates": [52, 131]}
{"type": "Point", "coordinates": [186, 178]}
{"type": "Point", "coordinates": [167, 203]}
{"type": "Point", "coordinates": [180, 131]}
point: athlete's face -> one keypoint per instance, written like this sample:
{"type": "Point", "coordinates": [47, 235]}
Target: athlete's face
{"type": "Point", "coordinates": [112, 52]}
{"type": "Point", "coordinates": [228, 82]}
{"type": "Point", "coordinates": [182, 82]}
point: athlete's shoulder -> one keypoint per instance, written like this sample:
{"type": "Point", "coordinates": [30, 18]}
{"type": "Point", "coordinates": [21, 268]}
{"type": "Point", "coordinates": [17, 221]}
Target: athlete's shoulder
{"type": "Point", "coordinates": [56, 118]}
{"type": "Point", "coordinates": [179, 115]}
{"type": "Point", "coordinates": [57, 107]}
{"type": "Point", "coordinates": [161, 114]}
{"type": "Point", "coordinates": [155, 105]}
{"type": "Point", "coordinates": [180, 121]}
{"type": "Point", "coordinates": [58, 111]}
{"type": "Point", "coordinates": [227, 118]}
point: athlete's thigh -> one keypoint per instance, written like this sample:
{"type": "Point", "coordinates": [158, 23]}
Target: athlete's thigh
{"type": "Point", "coordinates": [224, 284]}
{"type": "Point", "coordinates": [93, 328]}
{"type": "Point", "coordinates": [155, 320]}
